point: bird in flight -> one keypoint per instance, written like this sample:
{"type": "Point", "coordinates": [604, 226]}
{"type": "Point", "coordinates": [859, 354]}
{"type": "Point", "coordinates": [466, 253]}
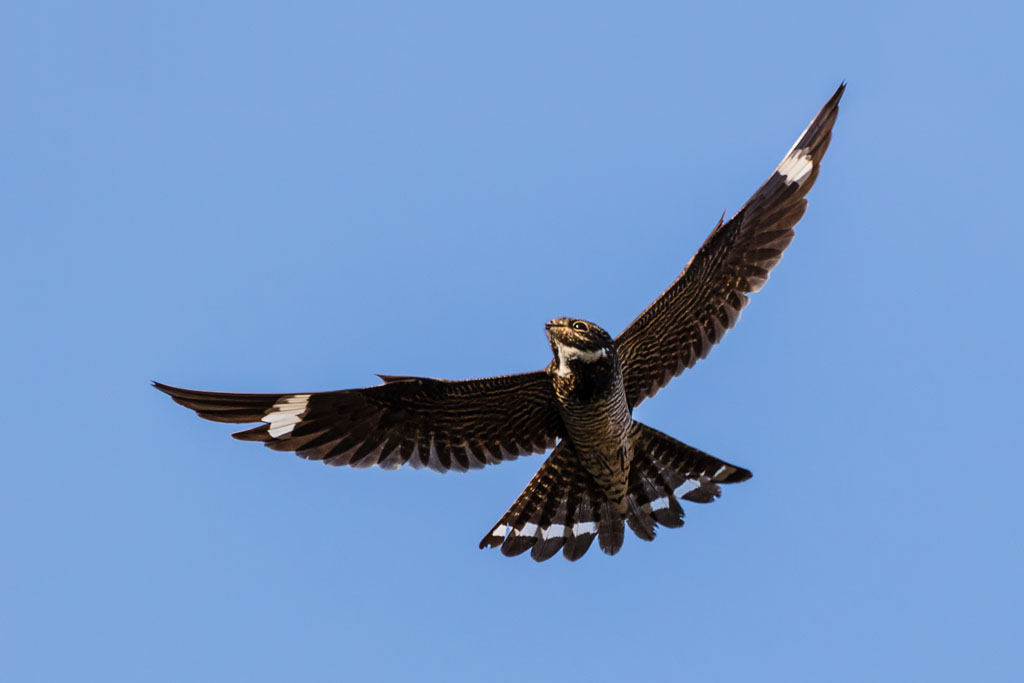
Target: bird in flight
{"type": "Point", "coordinates": [607, 470]}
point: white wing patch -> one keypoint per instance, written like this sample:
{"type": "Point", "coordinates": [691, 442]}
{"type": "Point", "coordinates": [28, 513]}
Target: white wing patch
{"type": "Point", "coordinates": [796, 166]}
{"type": "Point", "coordinates": [285, 414]}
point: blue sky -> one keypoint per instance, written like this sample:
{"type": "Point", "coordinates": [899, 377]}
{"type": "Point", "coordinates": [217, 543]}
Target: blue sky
{"type": "Point", "coordinates": [291, 197]}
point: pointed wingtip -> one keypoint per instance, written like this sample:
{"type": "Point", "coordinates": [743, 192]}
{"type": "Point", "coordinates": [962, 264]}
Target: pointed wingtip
{"type": "Point", "coordinates": [832, 106]}
{"type": "Point", "coordinates": [740, 474]}
{"type": "Point", "coordinates": [176, 393]}
{"type": "Point", "coordinates": [391, 379]}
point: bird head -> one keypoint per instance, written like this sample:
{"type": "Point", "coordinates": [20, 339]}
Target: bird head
{"type": "Point", "coordinates": [578, 341]}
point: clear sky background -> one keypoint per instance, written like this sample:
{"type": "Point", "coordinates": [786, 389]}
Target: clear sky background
{"type": "Point", "coordinates": [290, 197]}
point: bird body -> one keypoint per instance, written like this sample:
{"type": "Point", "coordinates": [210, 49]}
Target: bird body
{"type": "Point", "coordinates": [592, 402]}
{"type": "Point", "coordinates": [606, 470]}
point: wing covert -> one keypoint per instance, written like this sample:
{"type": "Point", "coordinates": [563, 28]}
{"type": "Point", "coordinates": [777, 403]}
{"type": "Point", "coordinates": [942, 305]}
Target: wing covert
{"type": "Point", "coordinates": [705, 301]}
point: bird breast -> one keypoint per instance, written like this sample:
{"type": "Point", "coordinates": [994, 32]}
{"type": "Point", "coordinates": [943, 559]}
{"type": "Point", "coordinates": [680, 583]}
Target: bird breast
{"type": "Point", "coordinates": [592, 400]}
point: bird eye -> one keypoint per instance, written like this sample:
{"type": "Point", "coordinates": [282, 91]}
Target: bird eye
{"type": "Point", "coordinates": [580, 326]}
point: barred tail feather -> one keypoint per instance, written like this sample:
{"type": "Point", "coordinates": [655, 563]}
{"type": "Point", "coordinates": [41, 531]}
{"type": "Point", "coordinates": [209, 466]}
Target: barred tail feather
{"type": "Point", "coordinates": [560, 509]}
{"type": "Point", "coordinates": [662, 471]}
{"type": "Point", "coordinates": [583, 530]}
{"type": "Point", "coordinates": [610, 527]}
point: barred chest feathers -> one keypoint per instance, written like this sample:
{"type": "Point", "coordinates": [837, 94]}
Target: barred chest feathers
{"type": "Point", "coordinates": [587, 379]}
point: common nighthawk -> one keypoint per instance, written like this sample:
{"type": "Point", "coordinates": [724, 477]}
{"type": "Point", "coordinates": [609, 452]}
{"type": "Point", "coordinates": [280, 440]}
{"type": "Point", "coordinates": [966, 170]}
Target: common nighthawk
{"type": "Point", "coordinates": [606, 469]}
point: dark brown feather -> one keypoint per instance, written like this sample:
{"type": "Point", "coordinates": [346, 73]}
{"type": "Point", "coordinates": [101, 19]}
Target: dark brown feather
{"type": "Point", "coordinates": [694, 313]}
{"type": "Point", "coordinates": [663, 470]}
{"type": "Point", "coordinates": [557, 510]}
{"type": "Point", "coordinates": [444, 425]}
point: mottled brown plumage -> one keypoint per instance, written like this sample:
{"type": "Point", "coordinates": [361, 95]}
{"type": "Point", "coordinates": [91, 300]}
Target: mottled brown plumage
{"type": "Point", "coordinates": [607, 470]}
{"type": "Point", "coordinates": [588, 385]}
{"type": "Point", "coordinates": [431, 423]}
{"type": "Point", "coordinates": [705, 301]}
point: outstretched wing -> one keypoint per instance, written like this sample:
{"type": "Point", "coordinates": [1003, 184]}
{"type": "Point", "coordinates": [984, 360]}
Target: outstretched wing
{"type": "Point", "coordinates": [693, 314]}
{"type": "Point", "coordinates": [440, 424]}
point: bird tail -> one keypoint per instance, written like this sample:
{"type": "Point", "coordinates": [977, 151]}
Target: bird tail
{"type": "Point", "coordinates": [562, 508]}
{"type": "Point", "coordinates": [664, 470]}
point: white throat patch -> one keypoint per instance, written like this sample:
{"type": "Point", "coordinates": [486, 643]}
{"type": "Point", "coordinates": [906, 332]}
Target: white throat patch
{"type": "Point", "coordinates": [568, 353]}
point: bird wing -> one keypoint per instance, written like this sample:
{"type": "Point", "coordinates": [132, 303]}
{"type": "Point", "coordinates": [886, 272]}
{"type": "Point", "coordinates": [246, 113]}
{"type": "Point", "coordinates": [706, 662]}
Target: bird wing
{"type": "Point", "coordinates": [440, 424]}
{"type": "Point", "coordinates": [693, 314]}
